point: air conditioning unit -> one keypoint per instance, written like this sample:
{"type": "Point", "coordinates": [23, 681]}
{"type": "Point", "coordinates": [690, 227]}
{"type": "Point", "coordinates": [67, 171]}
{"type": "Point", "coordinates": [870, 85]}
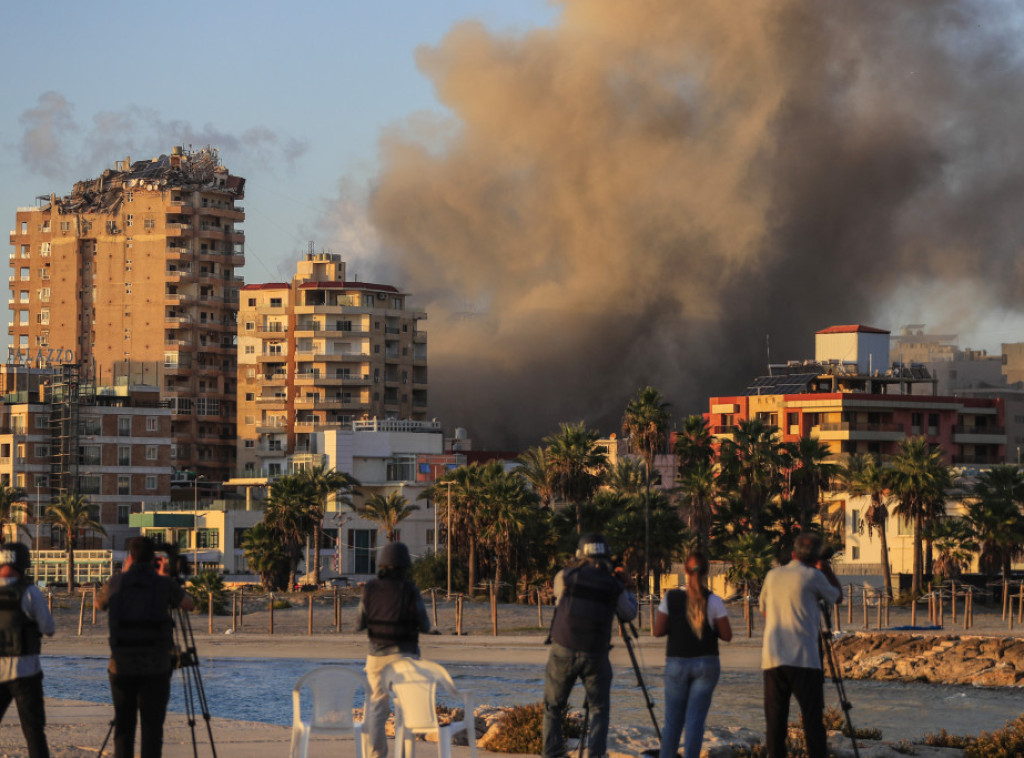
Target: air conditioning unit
{"type": "Point", "coordinates": [382, 296]}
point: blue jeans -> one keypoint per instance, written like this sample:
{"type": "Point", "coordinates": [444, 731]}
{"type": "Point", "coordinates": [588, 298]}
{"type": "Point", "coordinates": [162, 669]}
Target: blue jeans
{"type": "Point", "coordinates": [564, 667]}
{"type": "Point", "coordinates": [689, 685]}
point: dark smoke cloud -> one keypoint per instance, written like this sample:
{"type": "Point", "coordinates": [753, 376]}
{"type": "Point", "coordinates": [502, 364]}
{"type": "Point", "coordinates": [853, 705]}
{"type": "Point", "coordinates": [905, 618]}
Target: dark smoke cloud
{"type": "Point", "coordinates": [644, 192]}
{"type": "Point", "coordinates": [56, 146]}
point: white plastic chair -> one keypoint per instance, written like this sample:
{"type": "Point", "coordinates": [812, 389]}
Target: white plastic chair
{"type": "Point", "coordinates": [413, 685]}
{"type": "Point", "coordinates": [332, 691]}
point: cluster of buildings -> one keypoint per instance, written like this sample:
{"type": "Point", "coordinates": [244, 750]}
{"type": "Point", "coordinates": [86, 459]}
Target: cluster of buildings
{"type": "Point", "coordinates": [145, 373]}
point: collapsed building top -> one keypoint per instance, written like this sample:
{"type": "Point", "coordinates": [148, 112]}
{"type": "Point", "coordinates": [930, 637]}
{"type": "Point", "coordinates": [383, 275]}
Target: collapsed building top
{"type": "Point", "coordinates": [185, 169]}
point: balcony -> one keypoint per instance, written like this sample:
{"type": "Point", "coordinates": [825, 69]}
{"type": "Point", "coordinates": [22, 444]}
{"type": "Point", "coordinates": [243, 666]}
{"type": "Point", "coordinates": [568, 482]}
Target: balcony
{"type": "Point", "coordinates": [178, 254]}
{"type": "Point", "coordinates": [419, 338]}
{"type": "Point", "coordinates": [272, 427]}
{"type": "Point", "coordinates": [979, 435]}
{"type": "Point", "coordinates": [178, 227]}
{"type": "Point", "coordinates": [272, 399]}
{"type": "Point", "coordinates": [846, 430]}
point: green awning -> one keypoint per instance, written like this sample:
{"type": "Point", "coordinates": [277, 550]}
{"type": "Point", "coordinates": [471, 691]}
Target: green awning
{"type": "Point", "coordinates": [171, 520]}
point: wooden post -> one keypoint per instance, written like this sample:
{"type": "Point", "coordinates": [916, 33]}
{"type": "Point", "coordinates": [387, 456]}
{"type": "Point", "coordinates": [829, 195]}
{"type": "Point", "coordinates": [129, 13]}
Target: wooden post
{"type": "Point", "coordinates": [886, 598]}
{"type": "Point", "coordinates": [309, 623]}
{"type": "Point", "coordinates": [849, 610]}
{"type": "Point", "coordinates": [839, 617]}
{"type": "Point", "coordinates": [494, 608]}
{"type": "Point", "coordinates": [271, 612]}
{"type": "Point", "coordinates": [1020, 604]}
{"type": "Point", "coordinates": [81, 614]}
{"type": "Point", "coordinates": [880, 596]}
{"type": "Point", "coordinates": [209, 610]}
{"type": "Point", "coordinates": [913, 612]}
{"type": "Point", "coordinates": [864, 603]}
{"type": "Point", "coordinates": [433, 603]}
{"type": "Point", "coordinates": [234, 610]}
{"type": "Point", "coordinates": [1006, 597]}
{"type": "Point", "coordinates": [540, 611]}
{"type": "Point", "coordinates": [942, 607]}
{"type": "Point", "coordinates": [94, 605]}
{"type": "Point", "coordinates": [49, 601]}
{"type": "Point", "coordinates": [952, 600]}
{"type": "Point", "coordinates": [241, 608]}
{"type": "Point", "coordinates": [458, 614]}
{"type": "Point", "coordinates": [749, 614]}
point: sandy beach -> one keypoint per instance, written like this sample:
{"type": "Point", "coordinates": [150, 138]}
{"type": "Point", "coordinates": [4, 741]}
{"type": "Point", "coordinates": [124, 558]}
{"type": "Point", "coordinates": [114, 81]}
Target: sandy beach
{"type": "Point", "coordinates": [77, 728]}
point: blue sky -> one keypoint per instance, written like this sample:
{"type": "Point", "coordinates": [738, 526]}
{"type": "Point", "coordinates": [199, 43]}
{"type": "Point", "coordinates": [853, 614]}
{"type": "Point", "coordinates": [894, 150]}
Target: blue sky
{"type": "Point", "coordinates": [294, 95]}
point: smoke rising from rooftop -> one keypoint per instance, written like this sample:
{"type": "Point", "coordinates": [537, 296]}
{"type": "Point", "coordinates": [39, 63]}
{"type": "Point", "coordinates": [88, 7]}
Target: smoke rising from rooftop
{"type": "Point", "coordinates": [644, 192]}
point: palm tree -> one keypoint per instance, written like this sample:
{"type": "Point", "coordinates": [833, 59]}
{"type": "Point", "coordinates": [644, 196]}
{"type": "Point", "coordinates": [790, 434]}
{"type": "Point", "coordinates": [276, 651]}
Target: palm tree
{"type": "Point", "coordinates": [919, 481]}
{"type": "Point", "coordinates": [577, 465]}
{"type": "Point", "coordinates": [508, 507]}
{"type": "Point", "coordinates": [323, 483]}
{"type": "Point", "coordinates": [71, 514]}
{"type": "Point", "coordinates": [995, 518]}
{"type": "Point", "coordinates": [534, 467]}
{"type": "Point", "coordinates": [864, 476]}
{"type": "Point", "coordinates": [12, 508]}
{"type": "Point", "coordinates": [810, 470]}
{"type": "Point", "coordinates": [751, 466]}
{"type": "Point", "coordinates": [694, 444]}
{"type": "Point", "coordinates": [265, 553]}
{"type": "Point", "coordinates": [387, 512]}
{"type": "Point", "coordinates": [627, 476]}
{"type": "Point", "coordinates": [750, 556]}
{"type": "Point", "coordinates": [698, 485]}
{"type": "Point", "coordinates": [467, 495]}
{"type": "Point", "coordinates": [289, 514]}
{"type": "Point", "coordinates": [646, 423]}
{"type": "Point", "coordinates": [953, 540]}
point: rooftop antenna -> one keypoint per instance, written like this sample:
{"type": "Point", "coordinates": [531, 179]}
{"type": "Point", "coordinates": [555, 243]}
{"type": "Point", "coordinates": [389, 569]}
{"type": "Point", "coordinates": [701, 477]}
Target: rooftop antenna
{"type": "Point", "coordinates": [768, 351]}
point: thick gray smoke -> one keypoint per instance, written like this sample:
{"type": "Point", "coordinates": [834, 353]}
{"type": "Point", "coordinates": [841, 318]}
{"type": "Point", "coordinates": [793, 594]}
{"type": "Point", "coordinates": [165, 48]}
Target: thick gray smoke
{"type": "Point", "coordinates": [641, 194]}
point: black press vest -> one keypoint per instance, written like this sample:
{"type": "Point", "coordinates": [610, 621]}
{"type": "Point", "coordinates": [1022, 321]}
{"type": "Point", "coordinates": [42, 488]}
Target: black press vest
{"type": "Point", "coordinates": [139, 614]}
{"type": "Point", "coordinates": [19, 635]}
{"type": "Point", "coordinates": [390, 607]}
{"type": "Point", "coordinates": [682, 642]}
{"type": "Point", "coordinates": [586, 608]}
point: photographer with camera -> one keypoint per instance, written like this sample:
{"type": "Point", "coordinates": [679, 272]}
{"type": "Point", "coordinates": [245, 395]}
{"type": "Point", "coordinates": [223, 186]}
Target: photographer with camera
{"type": "Point", "coordinates": [589, 596]}
{"type": "Point", "coordinates": [791, 656]}
{"type": "Point", "coordinates": [139, 601]}
{"type": "Point", "coordinates": [24, 619]}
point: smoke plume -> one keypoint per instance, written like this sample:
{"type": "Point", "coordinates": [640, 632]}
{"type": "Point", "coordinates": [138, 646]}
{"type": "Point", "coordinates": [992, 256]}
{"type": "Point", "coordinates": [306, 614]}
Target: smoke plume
{"type": "Point", "coordinates": [643, 193]}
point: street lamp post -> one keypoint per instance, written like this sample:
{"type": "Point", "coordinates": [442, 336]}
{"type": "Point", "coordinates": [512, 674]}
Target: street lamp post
{"type": "Point", "coordinates": [39, 505]}
{"type": "Point", "coordinates": [448, 539]}
{"type": "Point", "coordinates": [195, 522]}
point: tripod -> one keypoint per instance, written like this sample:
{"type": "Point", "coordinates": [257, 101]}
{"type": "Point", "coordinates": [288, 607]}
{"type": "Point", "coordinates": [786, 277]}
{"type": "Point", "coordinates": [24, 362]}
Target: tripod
{"type": "Point", "coordinates": [837, 676]}
{"type": "Point", "coordinates": [186, 660]}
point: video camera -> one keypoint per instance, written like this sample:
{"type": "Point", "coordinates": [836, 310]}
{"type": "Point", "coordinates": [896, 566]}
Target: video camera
{"type": "Point", "coordinates": [170, 562]}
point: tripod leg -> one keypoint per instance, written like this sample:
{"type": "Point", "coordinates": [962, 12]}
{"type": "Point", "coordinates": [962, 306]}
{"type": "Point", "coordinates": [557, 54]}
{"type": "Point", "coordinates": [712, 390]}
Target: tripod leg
{"type": "Point", "coordinates": [585, 729]}
{"type": "Point", "coordinates": [110, 731]}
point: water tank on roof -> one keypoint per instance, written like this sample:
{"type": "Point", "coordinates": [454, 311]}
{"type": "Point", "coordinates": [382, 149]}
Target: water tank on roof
{"type": "Point", "coordinates": [461, 433]}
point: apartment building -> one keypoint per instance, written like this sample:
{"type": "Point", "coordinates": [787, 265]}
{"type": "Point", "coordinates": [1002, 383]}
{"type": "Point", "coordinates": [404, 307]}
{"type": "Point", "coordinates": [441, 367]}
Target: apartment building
{"type": "Point", "coordinates": [111, 444]}
{"type": "Point", "coordinates": [319, 353]}
{"type": "Point", "coordinates": [140, 264]}
{"type": "Point", "coordinates": [851, 398]}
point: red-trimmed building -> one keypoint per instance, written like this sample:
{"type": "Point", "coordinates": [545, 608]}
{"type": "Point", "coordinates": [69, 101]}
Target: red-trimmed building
{"type": "Point", "coordinates": [852, 398]}
{"type": "Point", "coordinates": [319, 353]}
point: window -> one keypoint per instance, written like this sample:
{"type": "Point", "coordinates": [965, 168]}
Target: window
{"type": "Point", "coordinates": [90, 455]}
{"type": "Point", "coordinates": [23, 298]}
{"type": "Point", "coordinates": [401, 468]}
{"type": "Point", "coordinates": [362, 551]}
{"type": "Point", "coordinates": [855, 552]}
{"type": "Point", "coordinates": [151, 452]}
{"type": "Point", "coordinates": [124, 426]}
{"type": "Point", "coordinates": [25, 274]}
{"type": "Point", "coordinates": [250, 443]}
{"type": "Point", "coordinates": [124, 455]}
{"type": "Point", "coordinates": [42, 422]}
{"type": "Point", "coordinates": [124, 484]}
{"type": "Point", "coordinates": [208, 538]}
{"type": "Point", "coordinates": [129, 219]}
{"type": "Point", "coordinates": [148, 223]}
{"type": "Point", "coordinates": [252, 304]}
{"type": "Point", "coordinates": [250, 396]}
{"type": "Point", "coordinates": [150, 482]}
{"type": "Point", "coordinates": [41, 480]}
{"type": "Point", "coordinates": [275, 302]}
{"type": "Point", "coordinates": [42, 451]}
{"type": "Point", "coordinates": [89, 485]}
{"type": "Point", "coordinates": [123, 512]}
{"type": "Point", "coordinates": [65, 226]}
{"type": "Point", "coordinates": [250, 349]}
{"type": "Point", "coordinates": [854, 520]}
{"type": "Point", "coordinates": [151, 423]}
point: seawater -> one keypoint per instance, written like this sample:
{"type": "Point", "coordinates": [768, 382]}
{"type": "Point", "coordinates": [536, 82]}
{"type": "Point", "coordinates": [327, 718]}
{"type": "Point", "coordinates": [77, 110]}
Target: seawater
{"type": "Point", "coordinates": [260, 690]}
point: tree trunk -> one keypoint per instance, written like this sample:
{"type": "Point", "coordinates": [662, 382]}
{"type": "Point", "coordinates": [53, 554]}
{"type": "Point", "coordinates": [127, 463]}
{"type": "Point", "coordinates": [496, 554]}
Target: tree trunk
{"type": "Point", "coordinates": [915, 584]}
{"type": "Point", "coordinates": [472, 566]}
{"type": "Point", "coordinates": [318, 529]}
{"type": "Point", "coordinates": [886, 569]}
{"type": "Point", "coordinates": [71, 569]}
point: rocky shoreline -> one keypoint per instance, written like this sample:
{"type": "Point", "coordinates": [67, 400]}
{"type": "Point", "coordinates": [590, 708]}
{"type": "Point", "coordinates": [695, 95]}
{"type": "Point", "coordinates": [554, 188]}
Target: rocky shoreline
{"type": "Point", "coordinates": [937, 659]}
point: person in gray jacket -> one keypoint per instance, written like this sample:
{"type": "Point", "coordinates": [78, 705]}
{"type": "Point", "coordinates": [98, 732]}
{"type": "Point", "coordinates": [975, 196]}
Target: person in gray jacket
{"type": "Point", "coordinates": [391, 611]}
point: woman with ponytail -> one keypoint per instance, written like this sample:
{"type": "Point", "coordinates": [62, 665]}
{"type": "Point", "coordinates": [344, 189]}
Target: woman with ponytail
{"type": "Point", "coordinates": [694, 619]}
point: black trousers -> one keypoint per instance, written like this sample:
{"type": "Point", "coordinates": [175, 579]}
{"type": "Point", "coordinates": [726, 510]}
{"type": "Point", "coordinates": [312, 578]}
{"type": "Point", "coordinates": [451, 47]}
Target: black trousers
{"type": "Point", "coordinates": [146, 695]}
{"type": "Point", "coordinates": [27, 693]}
{"type": "Point", "coordinates": [807, 685]}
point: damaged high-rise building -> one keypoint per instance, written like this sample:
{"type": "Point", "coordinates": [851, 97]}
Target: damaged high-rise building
{"type": "Point", "coordinates": [133, 273]}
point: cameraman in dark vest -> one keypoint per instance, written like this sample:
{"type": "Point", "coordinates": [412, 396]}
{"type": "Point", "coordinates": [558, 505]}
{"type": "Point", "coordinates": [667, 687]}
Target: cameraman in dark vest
{"type": "Point", "coordinates": [24, 619]}
{"type": "Point", "coordinates": [139, 602]}
{"type": "Point", "coordinates": [393, 615]}
{"type": "Point", "coordinates": [589, 597]}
